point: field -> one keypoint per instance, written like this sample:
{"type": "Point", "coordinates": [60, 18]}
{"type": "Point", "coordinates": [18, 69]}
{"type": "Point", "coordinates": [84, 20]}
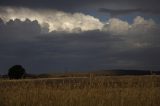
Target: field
{"type": "Point", "coordinates": [82, 91]}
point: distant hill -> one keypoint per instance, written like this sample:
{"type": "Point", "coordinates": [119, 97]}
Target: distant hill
{"type": "Point", "coordinates": [127, 72]}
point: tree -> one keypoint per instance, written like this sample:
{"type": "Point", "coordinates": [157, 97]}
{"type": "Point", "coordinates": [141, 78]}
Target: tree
{"type": "Point", "coordinates": [16, 72]}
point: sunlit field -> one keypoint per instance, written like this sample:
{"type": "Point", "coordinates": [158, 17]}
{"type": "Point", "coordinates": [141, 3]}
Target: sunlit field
{"type": "Point", "coordinates": [85, 91]}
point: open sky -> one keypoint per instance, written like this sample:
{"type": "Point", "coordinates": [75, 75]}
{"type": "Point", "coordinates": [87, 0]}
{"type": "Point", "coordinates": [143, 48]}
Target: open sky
{"type": "Point", "coordinates": [47, 36]}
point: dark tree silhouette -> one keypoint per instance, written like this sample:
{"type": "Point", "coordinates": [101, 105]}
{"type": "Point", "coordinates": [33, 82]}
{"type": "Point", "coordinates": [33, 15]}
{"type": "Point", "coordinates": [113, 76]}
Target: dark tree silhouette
{"type": "Point", "coordinates": [16, 72]}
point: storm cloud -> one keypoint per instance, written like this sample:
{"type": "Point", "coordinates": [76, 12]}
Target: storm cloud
{"type": "Point", "coordinates": [125, 47]}
{"type": "Point", "coordinates": [59, 35]}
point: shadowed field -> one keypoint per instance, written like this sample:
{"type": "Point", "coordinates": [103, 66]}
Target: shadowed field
{"type": "Point", "coordinates": [92, 91]}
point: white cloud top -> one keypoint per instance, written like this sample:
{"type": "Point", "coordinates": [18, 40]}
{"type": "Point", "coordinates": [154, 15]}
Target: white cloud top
{"type": "Point", "coordinates": [116, 26]}
{"type": "Point", "coordinates": [56, 20]}
{"type": "Point", "coordinates": [59, 21]}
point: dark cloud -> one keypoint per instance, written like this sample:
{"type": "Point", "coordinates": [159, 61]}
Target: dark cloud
{"type": "Point", "coordinates": [19, 30]}
{"type": "Point", "coordinates": [41, 4]}
{"type": "Point", "coordinates": [143, 58]}
{"type": "Point", "coordinates": [73, 5]}
{"type": "Point", "coordinates": [119, 12]}
{"type": "Point", "coordinates": [52, 51]}
{"type": "Point", "coordinates": [61, 51]}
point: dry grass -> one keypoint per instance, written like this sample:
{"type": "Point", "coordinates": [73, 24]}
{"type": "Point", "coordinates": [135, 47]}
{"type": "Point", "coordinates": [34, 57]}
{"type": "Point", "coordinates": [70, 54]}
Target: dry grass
{"type": "Point", "coordinates": [93, 91]}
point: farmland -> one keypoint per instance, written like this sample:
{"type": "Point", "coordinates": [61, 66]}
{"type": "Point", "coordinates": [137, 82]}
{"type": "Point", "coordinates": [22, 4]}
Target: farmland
{"type": "Point", "coordinates": [82, 91]}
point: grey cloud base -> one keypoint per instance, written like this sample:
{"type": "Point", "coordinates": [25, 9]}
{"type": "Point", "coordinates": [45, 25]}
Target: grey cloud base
{"type": "Point", "coordinates": [91, 50]}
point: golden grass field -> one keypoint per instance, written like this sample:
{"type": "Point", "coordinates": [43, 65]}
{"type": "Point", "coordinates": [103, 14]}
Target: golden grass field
{"type": "Point", "coordinates": [92, 91]}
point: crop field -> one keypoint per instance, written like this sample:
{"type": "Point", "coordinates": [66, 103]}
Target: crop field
{"type": "Point", "coordinates": [82, 91]}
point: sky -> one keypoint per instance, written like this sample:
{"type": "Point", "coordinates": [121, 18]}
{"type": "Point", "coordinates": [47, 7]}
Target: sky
{"type": "Point", "coordinates": [48, 36]}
